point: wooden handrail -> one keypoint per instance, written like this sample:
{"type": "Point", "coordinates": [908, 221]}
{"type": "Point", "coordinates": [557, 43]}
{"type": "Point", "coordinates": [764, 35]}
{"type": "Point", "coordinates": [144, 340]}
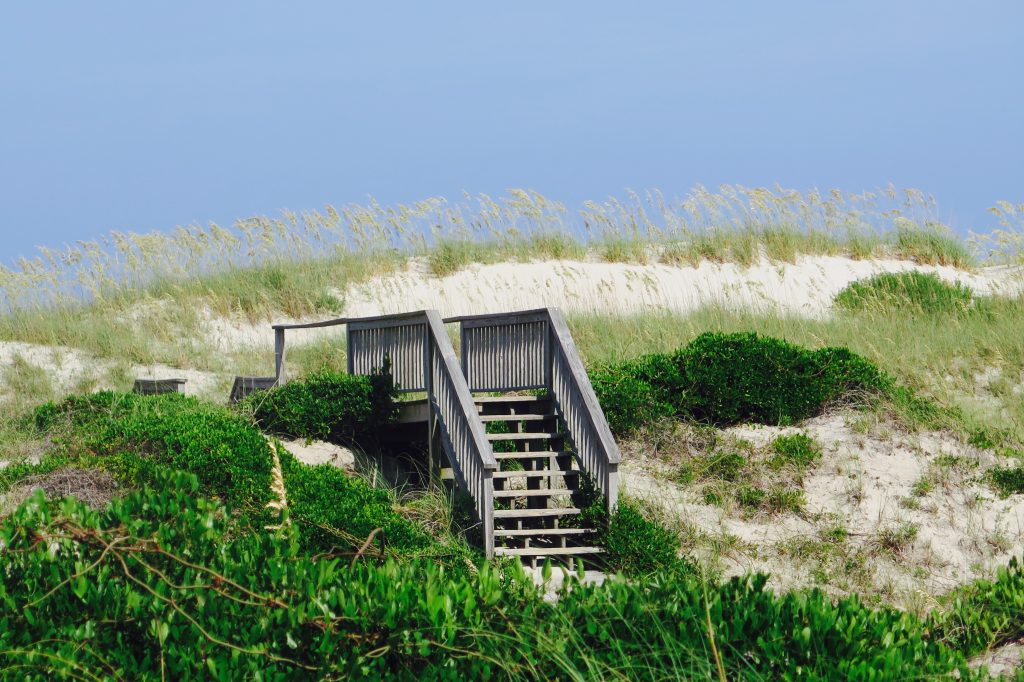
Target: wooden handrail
{"type": "Point", "coordinates": [555, 364]}
{"type": "Point", "coordinates": [450, 400]}
{"type": "Point", "coordinates": [463, 436]}
{"type": "Point", "coordinates": [572, 392]}
{"type": "Point", "coordinates": [538, 351]}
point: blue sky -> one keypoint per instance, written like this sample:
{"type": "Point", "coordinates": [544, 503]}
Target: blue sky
{"type": "Point", "coordinates": [143, 116]}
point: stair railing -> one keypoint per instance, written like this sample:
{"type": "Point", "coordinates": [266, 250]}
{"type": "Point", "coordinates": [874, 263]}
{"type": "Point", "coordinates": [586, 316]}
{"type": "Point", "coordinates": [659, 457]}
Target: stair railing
{"type": "Point", "coordinates": [533, 349]}
{"type": "Point", "coordinates": [423, 359]}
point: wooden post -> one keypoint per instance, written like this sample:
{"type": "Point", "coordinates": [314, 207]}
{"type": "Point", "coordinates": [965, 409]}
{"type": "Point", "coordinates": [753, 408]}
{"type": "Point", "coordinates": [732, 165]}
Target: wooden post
{"type": "Point", "coordinates": [428, 383]}
{"type": "Point", "coordinates": [279, 356]}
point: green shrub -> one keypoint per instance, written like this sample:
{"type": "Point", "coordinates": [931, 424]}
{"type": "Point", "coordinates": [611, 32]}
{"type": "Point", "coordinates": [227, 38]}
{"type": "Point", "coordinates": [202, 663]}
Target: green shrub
{"type": "Point", "coordinates": [160, 585]}
{"type": "Point", "coordinates": [726, 379]}
{"type": "Point", "coordinates": [129, 433]}
{"type": "Point", "coordinates": [335, 510]}
{"type": "Point", "coordinates": [985, 613]}
{"type": "Point", "coordinates": [914, 292]}
{"type": "Point", "coordinates": [326, 405]}
{"type": "Point", "coordinates": [636, 546]}
{"type": "Point", "coordinates": [743, 377]}
{"type": "Point", "coordinates": [630, 401]}
{"type": "Point", "coordinates": [798, 448]}
{"type": "Point", "coordinates": [1008, 481]}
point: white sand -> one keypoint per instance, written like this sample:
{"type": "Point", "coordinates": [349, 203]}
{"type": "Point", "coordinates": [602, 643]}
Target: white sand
{"type": "Point", "coordinates": [806, 288]}
{"type": "Point", "coordinates": [70, 368]}
{"type": "Point", "coordinates": [964, 530]}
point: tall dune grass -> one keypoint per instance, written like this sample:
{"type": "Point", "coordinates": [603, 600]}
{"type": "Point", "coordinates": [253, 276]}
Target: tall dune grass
{"type": "Point", "coordinates": [735, 224]}
{"type": "Point", "coordinates": [147, 298]}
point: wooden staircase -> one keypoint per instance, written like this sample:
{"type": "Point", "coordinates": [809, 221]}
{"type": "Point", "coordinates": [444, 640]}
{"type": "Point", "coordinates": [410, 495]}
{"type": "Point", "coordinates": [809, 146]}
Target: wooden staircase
{"type": "Point", "coordinates": [519, 457]}
{"type": "Point", "coordinates": [534, 513]}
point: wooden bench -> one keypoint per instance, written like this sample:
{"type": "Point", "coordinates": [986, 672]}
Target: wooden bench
{"type": "Point", "coordinates": [244, 386]}
{"type": "Point", "coordinates": [157, 386]}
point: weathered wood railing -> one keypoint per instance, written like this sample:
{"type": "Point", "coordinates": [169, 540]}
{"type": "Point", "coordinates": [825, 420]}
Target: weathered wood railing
{"type": "Point", "coordinates": [534, 349]}
{"type": "Point", "coordinates": [462, 431]}
{"type": "Point", "coordinates": [423, 359]}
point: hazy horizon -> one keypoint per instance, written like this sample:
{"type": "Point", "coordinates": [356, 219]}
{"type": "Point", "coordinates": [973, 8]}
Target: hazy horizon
{"type": "Point", "coordinates": [140, 118]}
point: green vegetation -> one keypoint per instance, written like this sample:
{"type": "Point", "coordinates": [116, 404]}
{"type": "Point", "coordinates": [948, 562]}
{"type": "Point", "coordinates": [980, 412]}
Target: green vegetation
{"type": "Point", "coordinates": [188, 575]}
{"type": "Point", "coordinates": [797, 449]}
{"type": "Point", "coordinates": [159, 584]}
{"type": "Point", "coordinates": [128, 434]}
{"type": "Point", "coordinates": [907, 292]}
{"type": "Point", "coordinates": [326, 405]}
{"type": "Point", "coordinates": [940, 370]}
{"type": "Point", "coordinates": [336, 512]}
{"type": "Point", "coordinates": [984, 614]}
{"type": "Point", "coordinates": [1008, 481]}
{"type": "Point", "coordinates": [726, 379]}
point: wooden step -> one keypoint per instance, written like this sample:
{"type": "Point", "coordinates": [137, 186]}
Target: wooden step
{"type": "Point", "coordinates": [534, 454]}
{"type": "Point", "coordinates": [515, 417]}
{"type": "Point", "coordinates": [535, 492]}
{"type": "Point", "coordinates": [538, 435]}
{"type": "Point", "coordinates": [534, 513]}
{"type": "Point", "coordinates": [538, 532]}
{"type": "Point", "coordinates": [524, 473]}
{"type": "Point", "coordinates": [546, 551]}
{"type": "Point", "coordinates": [510, 399]}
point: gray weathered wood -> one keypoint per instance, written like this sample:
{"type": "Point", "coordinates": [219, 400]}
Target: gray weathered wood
{"type": "Point", "coordinates": [462, 432]}
{"type": "Point", "coordinates": [573, 394]}
{"type": "Point", "coordinates": [157, 386]}
{"type": "Point", "coordinates": [244, 386]}
{"type": "Point", "coordinates": [500, 352]}
{"type": "Point", "coordinates": [279, 355]}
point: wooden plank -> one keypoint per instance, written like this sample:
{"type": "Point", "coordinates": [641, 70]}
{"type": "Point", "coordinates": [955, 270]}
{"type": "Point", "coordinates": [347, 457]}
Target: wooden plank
{"type": "Point", "coordinates": [534, 513]}
{"type": "Point", "coordinates": [532, 492]}
{"type": "Point", "coordinates": [516, 418]}
{"type": "Point", "coordinates": [510, 398]}
{"type": "Point", "coordinates": [244, 386]}
{"type": "Point", "coordinates": [525, 473]}
{"type": "Point", "coordinates": [538, 532]}
{"type": "Point", "coordinates": [546, 551]}
{"type": "Point", "coordinates": [534, 454]}
{"type": "Point", "coordinates": [582, 380]}
{"type": "Point", "coordinates": [348, 320]}
{"type": "Point", "coordinates": [157, 386]}
{"type": "Point", "coordinates": [539, 435]}
{"type": "Point", "coordinates": [498, 318]}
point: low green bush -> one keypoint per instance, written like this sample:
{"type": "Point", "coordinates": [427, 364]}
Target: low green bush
{"type": "Point", "coordinates": [726, 379]}
{"type": "Point", "coordinates": [1008, 481]}
{"type": "Point", "coordinates": [628, 402]}
{"type": "Point", "coordinates": [798, 449]}
{"type": "Point", "coordinates": [161, 586]}
{"type": "Point", "coordinates": [336, 511]}
{"type": "Point", "coordinates": [744, 377]}
{"type": "Point", "coordinates": [129, 434]}
{"type": "Point", "coordinates": [985, 613]}
{"type": "Point", "coordinates": [326, 405]}
{"type": "Point", "coordinates": [914, 292]}
{"type": "Point", "coordinates": [635, 545]}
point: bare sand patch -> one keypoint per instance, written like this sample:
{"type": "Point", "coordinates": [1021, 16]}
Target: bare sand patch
{"type": "Point", "coordinates": [917, 519]}
{"type": "Point", "coordinates": [70, 369]}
